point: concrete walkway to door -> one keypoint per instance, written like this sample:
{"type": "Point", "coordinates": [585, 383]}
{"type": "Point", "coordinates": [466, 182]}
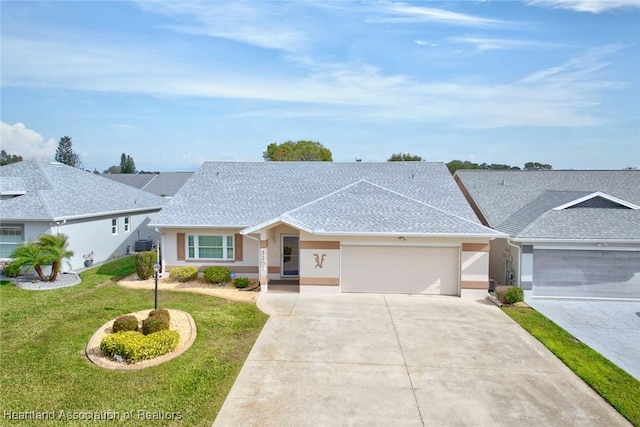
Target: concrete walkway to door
{"type": "Point", "coordinates": [399, 360]}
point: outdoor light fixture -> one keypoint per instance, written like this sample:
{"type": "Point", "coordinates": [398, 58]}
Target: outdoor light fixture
{"type": "Point", "coordinates": [156, 269]}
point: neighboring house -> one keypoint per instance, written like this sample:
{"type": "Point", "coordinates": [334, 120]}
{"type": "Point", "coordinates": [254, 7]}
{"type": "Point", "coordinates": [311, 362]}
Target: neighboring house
{"type": "Point", "coordinates": [98, 215]}
{"type": "Point", "coordinates": [571, 233]}
{"type": "Point", "coordinates": [396, 227]}
{"type": "Point", "coordinates": [165, 184]}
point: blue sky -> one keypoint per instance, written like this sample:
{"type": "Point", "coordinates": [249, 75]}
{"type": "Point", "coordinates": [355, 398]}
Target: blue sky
{"type": "Point", "coordinates": [173, 84]}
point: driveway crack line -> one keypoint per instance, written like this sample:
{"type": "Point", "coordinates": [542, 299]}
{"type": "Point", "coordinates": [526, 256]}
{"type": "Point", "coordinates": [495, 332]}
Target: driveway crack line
{"type": "Point", "coordinates": [406, 367]}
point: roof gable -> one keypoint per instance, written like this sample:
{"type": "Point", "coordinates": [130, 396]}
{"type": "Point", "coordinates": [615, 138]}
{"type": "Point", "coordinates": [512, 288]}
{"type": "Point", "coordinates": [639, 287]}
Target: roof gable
{"type": "Point", "coordinates": [597, 200]}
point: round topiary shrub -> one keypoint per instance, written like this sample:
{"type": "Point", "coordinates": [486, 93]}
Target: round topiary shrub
{"type": "Point", "coordinates": [217, 274]}
{"type": "Point", "coordinates": [126, 322]}
{"type": "Point", "coordinates": [154, 324]}
{"type": "Point", "coordinates": [144, 264]}
{"type": "Point", "coordinates": [241, 282]}
{"type": "Point", "coordinates": [184, 274]}
{"type": "Point", "coordinates": [514, 295]}
{"type": "Point", "coordinates": [161, 312]}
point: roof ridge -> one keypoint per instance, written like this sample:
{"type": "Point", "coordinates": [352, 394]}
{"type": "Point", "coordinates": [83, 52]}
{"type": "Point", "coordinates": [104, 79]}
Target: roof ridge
{"type": "Point", "coordinates": [531, 224]}
{"type": "Point", "coordinates": [323, 197]}
{"type": "Point", "coordinates": [150, 181]}
{"type": "Point", "coordinates": [44, 173]}
{"type": "Point", "coordinates": [45, 204]}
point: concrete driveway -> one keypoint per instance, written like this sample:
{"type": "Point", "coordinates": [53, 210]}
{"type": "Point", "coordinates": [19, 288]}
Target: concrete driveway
{"type": "Point", "coordinates": [612, 328]}
{"type": "Point", "coordinates": [396, 360]}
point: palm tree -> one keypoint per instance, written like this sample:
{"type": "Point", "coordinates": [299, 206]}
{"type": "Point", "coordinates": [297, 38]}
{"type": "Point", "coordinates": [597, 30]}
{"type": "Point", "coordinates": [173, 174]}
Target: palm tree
{"type": "Point", "coordinates": [30, 255]}
{"type": "Point", "coordinates": [55, 249]}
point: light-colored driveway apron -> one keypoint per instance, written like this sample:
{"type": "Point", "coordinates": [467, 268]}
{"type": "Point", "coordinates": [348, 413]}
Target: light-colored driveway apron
{"type": "Point", "coordinates": [399, 360]}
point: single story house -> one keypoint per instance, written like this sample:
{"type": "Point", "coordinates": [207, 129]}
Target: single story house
{"type": "Point", "coordinates": [395, 227]}
{"type": "Point", "coordinates": [165, 184]}
{"type": "Point", "coordinates": [571, 233]}
{"type": "Point", "coordinates": [100, 216]}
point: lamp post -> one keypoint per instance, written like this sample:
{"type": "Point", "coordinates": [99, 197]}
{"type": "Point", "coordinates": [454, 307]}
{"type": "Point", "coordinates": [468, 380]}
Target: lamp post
{"type": "Point", "coordinates": [156, 269]}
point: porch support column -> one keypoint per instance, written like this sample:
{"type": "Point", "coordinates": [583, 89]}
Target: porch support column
{"type": "Point", "coordinates": [263, 266]}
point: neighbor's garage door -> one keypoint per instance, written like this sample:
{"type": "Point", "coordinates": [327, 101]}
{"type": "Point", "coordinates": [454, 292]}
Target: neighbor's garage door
{"type": "Point", "coordinates": [400, 270]}
{"type": "Point", "coordinates": [586, 273]}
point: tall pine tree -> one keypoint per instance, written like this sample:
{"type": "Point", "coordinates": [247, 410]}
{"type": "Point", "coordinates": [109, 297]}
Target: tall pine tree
{"type": "Point", "coordinates": [65, 154]}
{"type": "Point", "coordinates": [127, 165]}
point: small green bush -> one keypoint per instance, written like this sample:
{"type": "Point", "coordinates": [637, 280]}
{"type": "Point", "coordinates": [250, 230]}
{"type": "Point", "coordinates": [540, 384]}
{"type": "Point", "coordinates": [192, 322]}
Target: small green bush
{"type": "Point", "coordinates": [513, 295]}
{"type": "Point", "coordinates": [241, 282]}
{"type": "Point", "coordinates": [144, 264]}
{"type": "Point", "coordinates": [184, 274]}
{"type": "Point", "coordinates": [127, 322]}
{"type": "Point", "coordinates": [134, 346]}
{"type": "Point", "coordinates": [217, 274]}
{"type": "Point", "coordinates": [12, 269]}
{"type": "Point", "coordinates": [154, 324]}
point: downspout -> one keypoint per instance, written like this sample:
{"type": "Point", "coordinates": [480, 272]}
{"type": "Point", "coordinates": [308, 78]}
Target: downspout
{"type": "Point", "coordinates": [519, 254]}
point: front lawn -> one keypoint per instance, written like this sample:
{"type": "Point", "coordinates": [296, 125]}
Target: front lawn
{"type": "Point", "coordinates": [44, 368]}
{"type": "Point", "coordinates": [615, 385]}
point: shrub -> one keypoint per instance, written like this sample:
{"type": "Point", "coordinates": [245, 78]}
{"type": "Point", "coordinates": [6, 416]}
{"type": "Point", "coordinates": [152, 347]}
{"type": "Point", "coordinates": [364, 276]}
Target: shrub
{"type": "Point", "coordinates": [144, 264]}
{"type": "Point", "coordinates": [217, 274]}
{"type": "Point", "coordinates": [241, 282]}
{"type": "Point", "coordinates": [184, 274]}
{"type": "Point", "coordinates": [154, 324]}
{"type": "Point", "coordinates": [127, 322]}
{"type": "Point", "coordinates": [161, 312]}
{"type": "Point", "coordinates": [509, 294]}
{"type": "Point", "coordinates": [513, 295]}
{"type": "Point", "coordinates": [12, 269]}
{"type": "Point", "coordinates": [134, 346]}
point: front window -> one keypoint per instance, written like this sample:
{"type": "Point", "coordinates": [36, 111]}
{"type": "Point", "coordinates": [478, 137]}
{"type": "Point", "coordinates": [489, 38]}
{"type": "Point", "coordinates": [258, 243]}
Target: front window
{"type": "Point", "coordinates": [210, 247]}
{"type": "Point", "coordinates": [10, 239]}
{"type": "Point", "coordinates": [114, 226]}
{"type": "Point", "coordinates": [127, 224]}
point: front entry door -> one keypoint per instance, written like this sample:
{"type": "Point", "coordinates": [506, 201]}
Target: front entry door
{"type": "Point", "coordinates": [290, 256]}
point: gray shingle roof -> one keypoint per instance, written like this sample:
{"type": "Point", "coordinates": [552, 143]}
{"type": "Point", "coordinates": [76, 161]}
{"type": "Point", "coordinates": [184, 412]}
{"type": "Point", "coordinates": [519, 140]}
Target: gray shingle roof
{"type": "Point", "coordinates": [521, 202]}
{"type": "Point", "coordinates": [165, 184]}
{"type": "Point", "coordinates": [406, 197]}
{"type": "Point", "coordinates": [56, 191]}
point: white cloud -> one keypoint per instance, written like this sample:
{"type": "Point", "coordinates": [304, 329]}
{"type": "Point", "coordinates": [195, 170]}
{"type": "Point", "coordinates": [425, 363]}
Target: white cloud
{"type": "Point", "coordinates": [18, 140]}
{"type": "Point", "coordinates": [394, 12]}
{"type": "Point", "coordinates": [482, 44]}
{"type": "Point", "coordinates": [592, 6]}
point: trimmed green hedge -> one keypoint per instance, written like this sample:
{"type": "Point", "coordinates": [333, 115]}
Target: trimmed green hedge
{"type": "Point", "coordinates": [184, 274]}
{"type": "Point", "coordinates": [144, 264]}
{"type": "Point", "coordinates": [217, 274]}
{"type": "Point", "coordinates": [126, 322]}
{"type": "Point", "coordinates": [241, 282]}
{"type": "Point", "coordinates": [135, 347]}
{"type": "Point", "coordinates": [154, 324]}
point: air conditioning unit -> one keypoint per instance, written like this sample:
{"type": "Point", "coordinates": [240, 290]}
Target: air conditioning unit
{"type": "Point", "coordinates": [143, 245]}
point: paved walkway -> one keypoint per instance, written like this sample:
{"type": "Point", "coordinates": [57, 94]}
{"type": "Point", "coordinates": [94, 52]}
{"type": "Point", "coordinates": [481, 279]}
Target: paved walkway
{"type": "Point", "coordinates": [612, 328]}
{"type": "Point", "coordinates": [403, 361]}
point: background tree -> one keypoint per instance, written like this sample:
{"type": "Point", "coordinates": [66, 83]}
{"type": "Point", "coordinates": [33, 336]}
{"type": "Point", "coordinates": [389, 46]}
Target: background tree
{"type": "Point", "coordinates": [297, 151]}
{"type": "Point", "coordinates": [112, 169]}
{"type": "Point", "coordinates": [404, 157]}
{"type": "Point", "coordinates": [6, 158]}
{"type": "Point", "coordinates": [65, 154]}
{"type": "Point", "coordinates": [535, 166]}
{"type": "Point", "coordinates": [127, 165]}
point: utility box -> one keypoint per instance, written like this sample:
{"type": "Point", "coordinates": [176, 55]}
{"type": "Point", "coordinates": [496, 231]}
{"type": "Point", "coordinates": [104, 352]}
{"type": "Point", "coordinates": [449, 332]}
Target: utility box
{"type": "Point", "coordinates": [143, 245]}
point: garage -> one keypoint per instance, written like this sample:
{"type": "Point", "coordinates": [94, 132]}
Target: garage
{"type": "Point", "coordinates": [593, 273]}
{"type": "Point", "coordinates": [400, 270]}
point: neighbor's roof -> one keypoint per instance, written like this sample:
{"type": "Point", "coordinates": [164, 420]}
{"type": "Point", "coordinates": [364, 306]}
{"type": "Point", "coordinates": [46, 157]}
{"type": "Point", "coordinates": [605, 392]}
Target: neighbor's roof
{"type": "Point", "coordinates": [165, 184]}
{"type": "Point", "coordinates": [53, 191]}
{"type": "Point", "coordinates": [525, 204]}
{"type": "Point", "coordinates": [325, 197]}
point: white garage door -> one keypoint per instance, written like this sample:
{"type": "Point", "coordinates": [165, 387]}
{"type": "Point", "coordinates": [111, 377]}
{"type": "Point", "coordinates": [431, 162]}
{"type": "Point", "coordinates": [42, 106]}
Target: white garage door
{"type": "Point", "coordinates": [400, 270]}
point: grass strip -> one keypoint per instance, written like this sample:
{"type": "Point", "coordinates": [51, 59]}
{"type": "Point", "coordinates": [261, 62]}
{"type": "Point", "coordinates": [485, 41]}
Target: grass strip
{"type": "Point", "coordinates": [615, 385]}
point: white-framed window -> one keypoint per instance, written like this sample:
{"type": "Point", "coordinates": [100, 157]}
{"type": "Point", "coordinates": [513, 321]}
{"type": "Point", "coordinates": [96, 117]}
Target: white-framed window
{"type": "Point", "coordinates": [127, 224]}
{"type": "Point", "coordinates": [11, 236]}
{"type": "Point", "coordinates": [114, 226]}
{"type": "Point", "coordinates": [219, 246]}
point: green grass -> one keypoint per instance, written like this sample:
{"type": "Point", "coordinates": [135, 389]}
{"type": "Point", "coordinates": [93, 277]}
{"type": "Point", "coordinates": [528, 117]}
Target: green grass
{"type": "Point", "coordinates": [44, 368]}
{"type": "Point", "coordinates": [616, 386]}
